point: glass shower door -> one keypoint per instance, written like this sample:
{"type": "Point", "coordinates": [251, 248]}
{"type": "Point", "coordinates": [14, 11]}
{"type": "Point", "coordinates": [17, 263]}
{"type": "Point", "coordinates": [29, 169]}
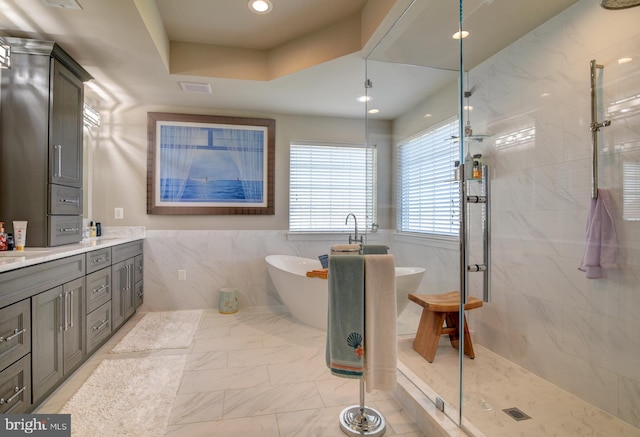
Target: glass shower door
{"type": "Point", "coordinates": [412, 87]}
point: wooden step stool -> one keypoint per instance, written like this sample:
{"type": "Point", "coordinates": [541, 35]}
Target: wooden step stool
{"type": "Point", "coordinates": [438, 309]}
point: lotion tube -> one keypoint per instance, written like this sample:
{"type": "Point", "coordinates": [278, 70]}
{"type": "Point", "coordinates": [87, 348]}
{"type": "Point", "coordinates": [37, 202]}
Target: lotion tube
{"type": "Point", "coordinates": [20, 234]}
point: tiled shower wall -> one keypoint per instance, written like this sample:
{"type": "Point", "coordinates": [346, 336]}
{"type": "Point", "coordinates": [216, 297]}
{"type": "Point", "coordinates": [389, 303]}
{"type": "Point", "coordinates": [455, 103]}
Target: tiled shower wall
{"type": "Point", "coordinates": [582, 335]}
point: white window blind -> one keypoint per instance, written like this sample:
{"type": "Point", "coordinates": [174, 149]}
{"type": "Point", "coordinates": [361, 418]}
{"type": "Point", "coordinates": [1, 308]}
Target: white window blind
{"type": "Point", "coordinates": [327, 182]}
{"type": "Point", "coordinates": [428, 198]}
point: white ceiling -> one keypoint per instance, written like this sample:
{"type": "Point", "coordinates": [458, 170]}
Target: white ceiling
{"type": "Point", "coordinates": [111, 40]}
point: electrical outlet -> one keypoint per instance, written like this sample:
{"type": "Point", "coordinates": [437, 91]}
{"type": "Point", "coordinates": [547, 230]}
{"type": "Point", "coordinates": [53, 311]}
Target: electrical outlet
{"type": "Point", "coordinates": [119, 213]}
{"type": "Point", "coordinates": [182, 275]}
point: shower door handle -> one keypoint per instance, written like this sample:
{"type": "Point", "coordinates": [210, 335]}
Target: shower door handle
{"type": "Point", "coordinates": [485, 267]}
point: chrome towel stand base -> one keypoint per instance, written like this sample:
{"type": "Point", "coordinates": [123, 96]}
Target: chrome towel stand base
{"type": "Point", "coordinates": [359, 420]}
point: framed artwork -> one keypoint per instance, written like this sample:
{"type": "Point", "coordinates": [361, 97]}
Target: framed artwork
{"type": "Point", "coordinates": [207, 164]}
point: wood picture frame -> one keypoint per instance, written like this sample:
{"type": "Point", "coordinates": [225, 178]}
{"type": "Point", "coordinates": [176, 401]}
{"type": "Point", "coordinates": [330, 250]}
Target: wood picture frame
{"type": "Point", "coordinates": [210, 164]}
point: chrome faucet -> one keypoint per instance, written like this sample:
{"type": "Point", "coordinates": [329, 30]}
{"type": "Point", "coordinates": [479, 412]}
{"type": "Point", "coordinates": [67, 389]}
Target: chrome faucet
{"type": "Point", "coordinates": [355, 238]}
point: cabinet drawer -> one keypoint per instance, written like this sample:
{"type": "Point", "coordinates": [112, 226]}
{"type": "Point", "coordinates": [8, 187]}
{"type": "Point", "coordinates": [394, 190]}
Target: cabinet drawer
{"type": "Point", "coordinates": [98, 289]}
{"type": "Point", "coordinates": [98, 326]}
{"type": "Point", "coordinates": [98, 259]}
{"type": "Point", "coordinates": [64, 229]}
{"type": "Point", "coordinates": [126, 250]}
{"type": "Point", "coordinates": [65, 200]}
{"type": "Point", "coordinates": [15, 332]}
{"type": "Point", "coordinates": [23, 283]}
{"type": "Point", "coordinates": [15, 387]}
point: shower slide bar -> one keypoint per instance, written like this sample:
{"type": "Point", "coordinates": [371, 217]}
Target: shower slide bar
{"type": "Point", "coordinates": [595, 127]}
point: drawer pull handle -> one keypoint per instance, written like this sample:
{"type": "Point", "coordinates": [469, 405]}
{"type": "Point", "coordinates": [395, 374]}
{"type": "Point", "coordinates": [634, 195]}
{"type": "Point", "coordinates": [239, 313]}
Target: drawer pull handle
{"type": "Point", "coordinates": [75, 201]}
{"type": "Point", "coordinates": [101, 325]}
{"type": "Point", "coordinates": [99, 289]}
{"type": "Point", "coordinates": [16, 332]}
{"type": "Point", "coordinates": [69, 229]}
{"type": "Point", "coordinates": [99, 260]}
{"type": "Point", "coordinates": [16, 393]}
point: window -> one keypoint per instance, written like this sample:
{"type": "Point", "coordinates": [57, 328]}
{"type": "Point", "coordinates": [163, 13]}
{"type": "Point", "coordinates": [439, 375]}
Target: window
{"type": "Point", "coordinates": [428, 197]}
{"type": "Point", "coordinates": [327, 182]}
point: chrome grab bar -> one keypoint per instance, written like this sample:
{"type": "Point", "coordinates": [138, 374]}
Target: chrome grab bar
{"type": "Point", "coordinates": [595, 127]}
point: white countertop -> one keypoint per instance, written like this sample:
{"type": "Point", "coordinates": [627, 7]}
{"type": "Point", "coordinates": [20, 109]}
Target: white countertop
{"type": "Point", "coordinates": [14, 259]}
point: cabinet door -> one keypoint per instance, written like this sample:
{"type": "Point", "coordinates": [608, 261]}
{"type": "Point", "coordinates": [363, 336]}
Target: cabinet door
{"type": "Point", "coordinates": [123, 297]}
{"type": "Point", "coordinates": [47, 328]}
{"type": "Point", "coordinates": [73, 324]}
{"type": "Point", "coordinates": [65, 137]}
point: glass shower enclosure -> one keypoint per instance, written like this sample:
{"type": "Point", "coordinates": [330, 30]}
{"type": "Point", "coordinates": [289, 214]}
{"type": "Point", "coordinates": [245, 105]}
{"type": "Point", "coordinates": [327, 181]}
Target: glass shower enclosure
{"type": "Point", "coordinates": [556, 348]}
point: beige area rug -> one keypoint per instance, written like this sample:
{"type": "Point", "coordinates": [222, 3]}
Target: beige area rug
{"type": "Point", "coordinates": [161, 330]}
{"type": "Point", "coordinates": [126, 397]}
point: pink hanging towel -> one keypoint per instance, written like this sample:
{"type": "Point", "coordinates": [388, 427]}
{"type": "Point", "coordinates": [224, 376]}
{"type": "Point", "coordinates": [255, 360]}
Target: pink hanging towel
{"type": "Point", "coordinates": [601, 246]}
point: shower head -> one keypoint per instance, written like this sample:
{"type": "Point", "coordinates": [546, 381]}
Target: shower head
{"type": "Point", "coordinates": [619, 4]}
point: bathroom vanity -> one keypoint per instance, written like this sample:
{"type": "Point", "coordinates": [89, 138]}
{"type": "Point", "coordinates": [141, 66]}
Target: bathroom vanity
{"type": "Point", "coordinates": [57, 306]}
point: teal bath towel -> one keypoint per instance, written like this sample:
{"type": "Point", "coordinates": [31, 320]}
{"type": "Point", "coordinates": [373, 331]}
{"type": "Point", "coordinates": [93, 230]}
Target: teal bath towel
{"type": "Point", "coordinates": [345, 327]}
{"type": "Point", "coordinates": [374, 249]}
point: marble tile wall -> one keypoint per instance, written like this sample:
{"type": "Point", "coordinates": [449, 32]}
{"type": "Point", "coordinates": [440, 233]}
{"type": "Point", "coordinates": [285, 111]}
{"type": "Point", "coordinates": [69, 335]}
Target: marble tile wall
{"type": "Point", "coordinates": [215, 259]}
{"type": "Point", "coordinates": [545, 316]}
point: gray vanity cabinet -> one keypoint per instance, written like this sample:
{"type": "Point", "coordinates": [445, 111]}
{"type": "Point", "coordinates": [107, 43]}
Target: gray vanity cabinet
{"type": "Point", "coordinates": [58, 335]}
{"type": "Point", "coordinates": [41, 108]}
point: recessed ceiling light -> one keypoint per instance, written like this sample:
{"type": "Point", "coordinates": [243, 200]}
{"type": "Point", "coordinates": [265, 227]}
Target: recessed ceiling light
{"type": "Point", "coordinates": [460, 34]}
{"type": "Point", "coordinates": [363, 99]}
{"type": "Point", "coordinates": [624, 60]}
{"type": "Point", "coordinates": [66, 4]}
{"type": "Point", "coordinates": [373, 111]}
{"type": "Point", "coordinates": [196, 87]}
{"type": "Point", "coordinates": [427, 115]}
{"type": "Point", "coordinates": [260, 6]}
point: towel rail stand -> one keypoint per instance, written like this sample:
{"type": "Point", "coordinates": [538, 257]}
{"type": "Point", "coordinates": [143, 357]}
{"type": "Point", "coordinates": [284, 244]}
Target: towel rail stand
{"type": "Point", "coordinates": [595, 126]}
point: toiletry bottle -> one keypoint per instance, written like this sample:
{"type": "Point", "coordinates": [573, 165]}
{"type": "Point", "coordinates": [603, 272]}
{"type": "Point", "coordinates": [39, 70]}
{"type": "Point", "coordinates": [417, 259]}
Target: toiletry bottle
{"type": "Point", "coordinates": [468, 165]}
{"type": "Point", "coordinates": [92, 230]}
{"type": "Point", "coordinates": [10, 243]}
{"type": "Point", "coordinates": [98, 229]}
{"type": "Point", "coordinates": [477, 174]}
{"type": "Point", "coordinates": [3, 238]}
{"type": "Point", "coordinates": [477, 166]}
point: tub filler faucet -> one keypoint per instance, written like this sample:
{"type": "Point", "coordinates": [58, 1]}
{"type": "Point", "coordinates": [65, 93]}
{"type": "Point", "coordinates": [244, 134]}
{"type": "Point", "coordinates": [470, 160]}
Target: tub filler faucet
{"type": "Point", "coordinates": [355, 238]}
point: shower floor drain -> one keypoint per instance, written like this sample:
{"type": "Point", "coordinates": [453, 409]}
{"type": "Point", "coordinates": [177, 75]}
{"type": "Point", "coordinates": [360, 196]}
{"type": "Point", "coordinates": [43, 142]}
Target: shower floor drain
{"type": "Point", "coordinates": [516, 414]}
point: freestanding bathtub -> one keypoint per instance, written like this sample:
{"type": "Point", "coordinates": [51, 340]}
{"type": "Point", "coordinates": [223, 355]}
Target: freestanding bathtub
{"type": "Point", "coordinates": [307, 298]}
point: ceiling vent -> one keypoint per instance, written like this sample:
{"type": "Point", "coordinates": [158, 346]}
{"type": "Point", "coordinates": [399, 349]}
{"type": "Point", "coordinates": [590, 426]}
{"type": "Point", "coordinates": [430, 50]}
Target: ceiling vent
{"type": "Point", "coordinates": [66, 4]}
{"type": "Point", "coordinates": [196, 87]}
